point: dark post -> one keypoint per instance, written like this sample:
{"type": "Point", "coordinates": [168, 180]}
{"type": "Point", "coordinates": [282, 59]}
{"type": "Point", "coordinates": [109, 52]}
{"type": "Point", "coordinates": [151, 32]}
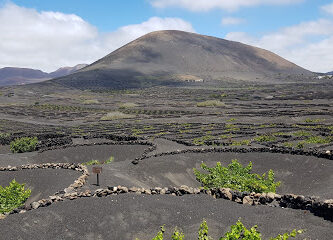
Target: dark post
{"type": "Point", "coordinates": [97, 171]}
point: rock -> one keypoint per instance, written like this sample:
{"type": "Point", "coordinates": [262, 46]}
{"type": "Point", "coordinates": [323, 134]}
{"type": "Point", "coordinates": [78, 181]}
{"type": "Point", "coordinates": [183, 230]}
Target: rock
{"type": "Point", "coordinates": [148, 191]}
{"type": "Point", "coordinates": [123, 189]}
{"type": "Point", "coordinates": [236, 194]}
{"type": "Point", "coordinates": [329, 201]}
{"type": "Point", "coordinates": [133, 189]}
{"type": "Point", "coordinates": [225, 193]}
{"type": "Point", "coordinates": [196, 190]}
{"type": "Point", "coordinates": [274, 203]}
{"type": "Point", "coordinates": [35, 205]}
{"type": "Point", "coordinates": [270, 195]}
{"type": "Point", "coordinates": [164, 191]}
{"type": "Point", "coordinates": [238, 200]}
{"type": "Point", "coordinates": [87, 193]}
{"type": "Point", "coordinates": [153, 191]}
{"type": "Point", "coordinates": [277, 196]}
{"type": "Point", "coordinates": [248, 200]}
{"type": "Point", "coordinates": [186, 189]}
{"type": "Point", "coordinates": [99, 190]}
{"type": "Point", "coordinates": [257, 195]}
{"type": "Point", "coordinates": [69, 190]}
{"type": "Point", "coordinates": [158, 189]}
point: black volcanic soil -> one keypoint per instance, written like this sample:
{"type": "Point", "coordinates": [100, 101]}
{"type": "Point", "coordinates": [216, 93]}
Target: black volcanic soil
{"type": "Point", "coordinates": [42, 182]}
{"type": "Point", "coordinates": [296, 116]}
{"type": "Point", "coordinates": [131, 216]}
{"type": "Point", "coordinates": [303, 175]}
{"type": "Point", "coordinates": [83, 154]}
{"type": "Point", "coordinates": [78, 154]}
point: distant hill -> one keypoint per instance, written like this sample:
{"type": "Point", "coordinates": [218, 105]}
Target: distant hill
{"type": "Point", "coordinates": [330, 73]}
{"type": "Point", "coordinates": [168, 57]}
{"type": "Point", "coordinates": [19, 76]}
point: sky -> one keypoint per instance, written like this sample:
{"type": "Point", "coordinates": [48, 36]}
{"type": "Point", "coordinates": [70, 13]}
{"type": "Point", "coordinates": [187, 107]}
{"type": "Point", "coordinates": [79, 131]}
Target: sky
{"type": "Point", "coordinates": [47, 35]}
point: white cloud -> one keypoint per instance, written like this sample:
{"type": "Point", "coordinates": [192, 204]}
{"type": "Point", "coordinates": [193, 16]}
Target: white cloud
{"type": "Point", "coordinates": [308, 44]}
{"type": "Point", "coordinates": [206, 5]}
{"type": "Point", "coordinates": [232, 21]}
{"type": "Point", "coordinates": [131, 32]}
{"type": "Point", "coordinates": [328, 8]}
{"type": "Point", "coordinates": [49, 40]}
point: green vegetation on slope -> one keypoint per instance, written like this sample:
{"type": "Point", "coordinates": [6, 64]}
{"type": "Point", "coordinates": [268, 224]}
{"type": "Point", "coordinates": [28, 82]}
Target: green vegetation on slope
{"type": "Point", "coordinates": [13, 196]}
{"type": "Point", "coordinates": [211, 103]}
{"type": "Point", "coordinates": [24, 144]}
{"type": "Point", "coordinates": [237, 232]}
{"type": "Point", "coordinates": [236, 177]}
{"type": "Point", "coordinates": [97, 162]}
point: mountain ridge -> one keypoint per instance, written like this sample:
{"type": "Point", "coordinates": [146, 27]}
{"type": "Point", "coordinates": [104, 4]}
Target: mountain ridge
{"type": "Point", "coordinates": [20, 76]}
{"type": "Point", "coordinates": [175, 57]}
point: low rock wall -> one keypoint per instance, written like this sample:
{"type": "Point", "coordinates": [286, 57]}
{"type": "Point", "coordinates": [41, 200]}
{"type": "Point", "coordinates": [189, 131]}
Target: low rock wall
{"type": "Point", "coordinates": [321, 208]}
{"type": "Point", "coordinates": [327, 154]}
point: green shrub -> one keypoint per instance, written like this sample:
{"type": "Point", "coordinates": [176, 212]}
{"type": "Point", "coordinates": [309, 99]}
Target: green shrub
{"type": "Point", "coordinates": [202, 140]}
{"type": "Point", "coordinates": [236, 177]}
{"type": "Point", "coordinates": [25, 144]}
{"type": "Point", "coordinates": [231, 127]}
{"type": "Point", "coordinates": [265, 138]}
{"type": "Point", "coordinates": [281, 134]}
{"type": "Point", "coordinates": [177, 235]}
{"type": "Point", "coordinates": [92, 162]}
{"type": "Point", "coordinates": [237, 232]}
{"type": "Point", "coordinates": [226, 136]}
{"type": "Point", "coordinates": [160, 234]}
{"type": "Point", "coordinates": [203, 231]}
{"type": "Point", "coordinates": [211, 103]}
{"type": "Point", "coordinates": [319, 140]}
{"type": "Point", "coordinates": [302, 133]}
{"type": "Point", "coordinates": [97, 162]}
{"type": "Point", "coordinates": [13, 196]}
{"type": "Point", "coordinates": [241, 142]}
{"type": "Point", "coordinates": [309, 120]}
{"type": "Point", "coordinates": [300, 145]}
{"type": "Point", "coordinates": [4, 135]}
{"type": "Point", "coordinates": [288, 144]}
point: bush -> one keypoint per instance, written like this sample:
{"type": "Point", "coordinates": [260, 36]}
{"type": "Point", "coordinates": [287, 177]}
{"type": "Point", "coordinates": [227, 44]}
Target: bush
{"type": "Point", "coordinates": [211, 103]}
{"type": "Point", "coordinates": [97, 162]}
{"type": "Point", "coordinates": [13, 196]}
{"type": "Point", "coordinates": [237, 232]}
{"type": "Point", "coordinates": [265, 138]}
{"type": "Point", "coordinates": [4, 135]}
{"type": "Point", "coordinates": [236, 177]}
{"type": "Point", "coordinates": [25, 144]}
{"type": "Point", "coordinates": [319, 140]}
{"type": "Point", "coordinates": [203, 231]}
{"type": "Point", "coordinates": [241, 142]}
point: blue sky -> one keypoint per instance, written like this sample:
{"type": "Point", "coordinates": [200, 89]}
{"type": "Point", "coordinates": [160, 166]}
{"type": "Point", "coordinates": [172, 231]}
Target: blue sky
{"type": "Point", "coordinates": [299, 30]}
